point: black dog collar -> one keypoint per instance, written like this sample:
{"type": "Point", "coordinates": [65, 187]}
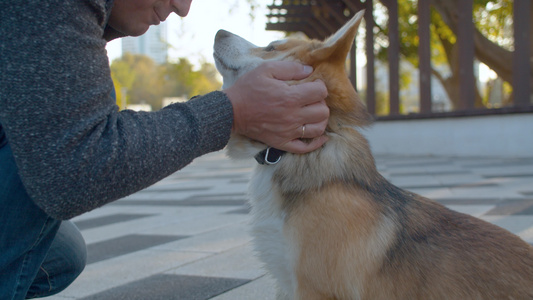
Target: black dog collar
{"type": "Point", "coordinates": [269, 156]}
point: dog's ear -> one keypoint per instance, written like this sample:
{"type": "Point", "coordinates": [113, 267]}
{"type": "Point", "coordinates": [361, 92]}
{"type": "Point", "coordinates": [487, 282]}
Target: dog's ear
{"type": "Point", "coordinates": [337, 46]}
{"type": "Point", "coordinates": [343, 101]}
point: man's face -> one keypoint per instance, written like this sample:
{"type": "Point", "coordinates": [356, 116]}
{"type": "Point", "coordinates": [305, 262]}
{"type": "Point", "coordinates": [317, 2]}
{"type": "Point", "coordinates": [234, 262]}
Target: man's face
{"type": "Point", "coordinates": [134, 17]}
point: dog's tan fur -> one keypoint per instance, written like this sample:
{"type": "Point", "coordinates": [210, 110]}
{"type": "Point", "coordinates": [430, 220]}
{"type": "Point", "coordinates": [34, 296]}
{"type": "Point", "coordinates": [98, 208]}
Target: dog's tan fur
{"type": "Point", "coordinates": [329, 226]}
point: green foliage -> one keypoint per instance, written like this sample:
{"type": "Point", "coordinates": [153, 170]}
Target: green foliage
{"type": "Point", "coordinates": [382, 103]}
{"type": "Point", "coordinates": [493, 18]}
{"type": "Point", "coordinates": [147, 82]}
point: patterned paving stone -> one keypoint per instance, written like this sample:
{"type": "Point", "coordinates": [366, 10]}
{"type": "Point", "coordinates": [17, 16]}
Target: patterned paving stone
{"type": "Point", "coordinates": [439, 186]}
{"type": "Point", "coordinates": [188, 202]}
{"type": "Point", "coordinates": [186, 237]}
{"type": "Point", "coordinates": [126, 244]}
{"type": "Point", "coordinates": [169, 287]}
{"type": "Point", "coordinates": [107, 220]}
{"type": "Point", "coordinates": [428, 172]}
{"type": "Point", "coordinates": [513, 207]}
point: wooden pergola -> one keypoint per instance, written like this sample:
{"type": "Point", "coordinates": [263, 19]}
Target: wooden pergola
{"type": "Point", "coordinates": [315, 18]}
{"type": "Point", "coordinates": [320, 18]}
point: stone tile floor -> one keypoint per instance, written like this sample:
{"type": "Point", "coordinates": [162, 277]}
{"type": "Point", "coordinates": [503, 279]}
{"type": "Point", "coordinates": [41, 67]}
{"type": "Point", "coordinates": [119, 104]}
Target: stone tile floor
{"type": "Point", "coordinates": [186, 236]}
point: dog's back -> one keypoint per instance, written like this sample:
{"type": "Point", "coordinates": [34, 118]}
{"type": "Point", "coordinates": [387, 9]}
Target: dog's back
{"type": "Point", "coordinates": [438, 253]}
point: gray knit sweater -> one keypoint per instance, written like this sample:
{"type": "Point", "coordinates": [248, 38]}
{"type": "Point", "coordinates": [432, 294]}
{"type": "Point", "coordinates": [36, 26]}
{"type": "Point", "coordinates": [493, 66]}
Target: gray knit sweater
{"type": "Point", "coordinates": [74, 149]}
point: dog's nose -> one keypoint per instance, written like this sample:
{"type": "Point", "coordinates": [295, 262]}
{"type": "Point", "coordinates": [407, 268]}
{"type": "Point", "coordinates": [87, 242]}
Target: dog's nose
{"type": "Point", "coordinates": [221, 34]}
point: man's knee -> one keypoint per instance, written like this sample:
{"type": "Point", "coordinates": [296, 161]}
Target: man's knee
{"type": "Point", "coordinates": [73, 247]}
{"type": "Point", "coordinates": [64, 262]}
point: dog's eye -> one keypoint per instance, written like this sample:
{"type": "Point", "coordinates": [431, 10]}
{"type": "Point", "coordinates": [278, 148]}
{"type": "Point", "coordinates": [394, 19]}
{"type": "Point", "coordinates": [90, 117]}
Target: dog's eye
{"type": "Point", "coordinates": [269, 48]}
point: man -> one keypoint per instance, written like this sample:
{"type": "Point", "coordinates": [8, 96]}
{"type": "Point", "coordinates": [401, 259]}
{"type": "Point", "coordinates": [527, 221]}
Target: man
{"type": "Point", "coordinates": [65, 148]}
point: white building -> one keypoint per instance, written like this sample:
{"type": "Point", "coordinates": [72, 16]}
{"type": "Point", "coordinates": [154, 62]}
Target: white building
{"type": "Point", "coordinates": [152, 44]}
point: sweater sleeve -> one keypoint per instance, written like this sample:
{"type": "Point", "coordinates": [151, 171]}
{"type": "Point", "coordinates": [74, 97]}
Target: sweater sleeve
{"type": "Point", "coordinates": [74, 149]}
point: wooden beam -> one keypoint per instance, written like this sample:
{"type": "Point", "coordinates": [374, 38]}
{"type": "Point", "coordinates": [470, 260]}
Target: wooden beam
{"type": "Point", "coordinates": [319, 32]}
{"type": "Point", "coordinates": [339, 17]}
{"type": "Point", "coordinates": [353, 65]}
{"type": "Point", "coordinates": [424, 55]}
{"type": "Point", "coordinates": [289, 7]}
{"type": "Point", "coordinates": [393, 53]}
{"type": "Point", "coordinates": [353, 6]}
{"type": "Point", "coordinates": [328, 23]}
{"type": "Point", "coordinates": [294, 27]}
{"type": "Point", "coordinates": [465, 41]}
{"type": "Point", "coordinates": [521, 71]}
{"type": "Point", "coordinates": [370, 59]}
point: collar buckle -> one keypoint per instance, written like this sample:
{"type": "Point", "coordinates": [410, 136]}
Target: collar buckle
{"type": "Point", "coordinates": [269, 156]}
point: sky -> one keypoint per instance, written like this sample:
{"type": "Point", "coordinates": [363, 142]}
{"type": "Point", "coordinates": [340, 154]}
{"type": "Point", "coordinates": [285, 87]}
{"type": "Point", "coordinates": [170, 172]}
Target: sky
{"type": "Point", "coordinates": [192, 37]}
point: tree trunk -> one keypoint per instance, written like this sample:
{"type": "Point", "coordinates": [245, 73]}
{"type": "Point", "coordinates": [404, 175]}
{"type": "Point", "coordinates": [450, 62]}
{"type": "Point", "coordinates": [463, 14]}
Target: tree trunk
{"type": "Point", "coordinates": [489, 53]}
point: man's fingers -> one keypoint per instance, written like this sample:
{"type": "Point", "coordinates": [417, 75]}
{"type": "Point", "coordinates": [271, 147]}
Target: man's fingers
{"type": "Point", "coordinates": [314, 113]}
{"type": "Point", "coordinates": [288, 70]}
{"type": "Point", "coordinates": [311, 131]}
{"type": "Point", "coordinates": [310, 92]}
{"type": "Point", "coordinates": [298, 146]}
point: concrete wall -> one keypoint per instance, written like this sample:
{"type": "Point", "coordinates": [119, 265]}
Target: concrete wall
{"type": "Point", "coordinates": [490, 136]}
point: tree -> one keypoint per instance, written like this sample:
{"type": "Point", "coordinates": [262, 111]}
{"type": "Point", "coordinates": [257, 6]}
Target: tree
{"type": "Point", "coordinates": [179, 79]}
{"type": "Point", "coordinates": [493, 42]}
{"type": "Point", "coordinates": [135, 74]}
{"type": "Point", "coordinates": [123, 78]}
{"type": "Point", "coordinates": [492, 38]}
{"type": "Point", "coordinates": [147, 82]}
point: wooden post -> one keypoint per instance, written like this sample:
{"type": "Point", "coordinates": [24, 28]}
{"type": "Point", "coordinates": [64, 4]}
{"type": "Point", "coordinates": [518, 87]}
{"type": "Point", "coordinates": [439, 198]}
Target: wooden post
{"type": "Point", "coordinates": [370, 58]}
{"type": "Point", "coordinates": [353, 65]}
{"type": "Point", "coordinates": [424, 55]}
{"type": "Point", "coordinates": [466, 55]}
{"type": "Point", "coordinates": [521, 65]}
{"type": "Point", "coordinates": [394, 59]}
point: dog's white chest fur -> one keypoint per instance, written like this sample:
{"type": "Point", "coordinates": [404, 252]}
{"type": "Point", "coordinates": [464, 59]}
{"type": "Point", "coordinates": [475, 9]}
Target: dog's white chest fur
{"type": "Point", "coordinates": [271, 242]}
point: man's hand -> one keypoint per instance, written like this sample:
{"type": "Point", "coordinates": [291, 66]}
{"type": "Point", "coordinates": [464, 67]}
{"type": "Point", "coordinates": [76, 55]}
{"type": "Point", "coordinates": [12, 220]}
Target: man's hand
{"type": "Point", "coordinates": [267, 109]}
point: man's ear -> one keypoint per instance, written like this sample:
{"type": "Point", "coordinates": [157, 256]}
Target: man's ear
{"type": "Point", "coordinates": [337, 46]}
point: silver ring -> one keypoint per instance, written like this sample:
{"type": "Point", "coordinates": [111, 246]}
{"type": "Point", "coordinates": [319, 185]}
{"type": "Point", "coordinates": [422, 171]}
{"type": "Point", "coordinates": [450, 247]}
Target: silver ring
{"type": "Point", "coordinates": [303, 131]}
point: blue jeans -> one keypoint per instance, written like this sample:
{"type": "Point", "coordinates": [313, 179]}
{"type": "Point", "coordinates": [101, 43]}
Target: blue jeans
{"type": "Point", "coordinates": [39, 256]}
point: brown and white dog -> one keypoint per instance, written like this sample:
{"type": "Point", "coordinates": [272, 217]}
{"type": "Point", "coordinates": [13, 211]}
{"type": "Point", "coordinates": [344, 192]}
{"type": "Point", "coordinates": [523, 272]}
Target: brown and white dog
{"type": "Point", "coordinates": [327, 225]}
